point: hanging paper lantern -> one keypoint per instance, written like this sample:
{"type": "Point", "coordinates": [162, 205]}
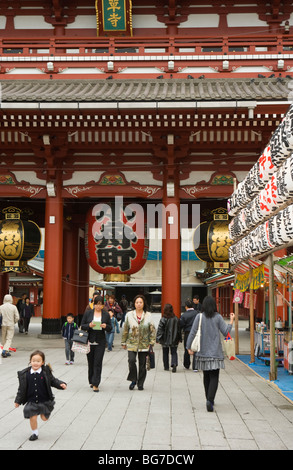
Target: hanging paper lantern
{"type": "Point", "coordinates": [116, 240]}
{"type": "Point", "coordinates": [265, 167]}
{"type": "Point", "coordinates": [20, 240]}
{"type": "Point", "coordinates": [282, 140]}
{"type": "Point", "coordinates": [268, 197]}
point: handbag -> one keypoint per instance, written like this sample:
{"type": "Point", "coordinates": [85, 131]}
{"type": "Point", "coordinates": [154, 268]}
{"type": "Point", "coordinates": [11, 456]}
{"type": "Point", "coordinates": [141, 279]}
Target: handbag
{"type": "Point", "coordinates": [80, 336]}
{"type": "Point", "coordinates": [195, 345]}
{"type": "Point", "coordinates": [80, 347]}
{"type": "Point", "coordinates": [229, 346]}
{"type": "Point", "coordinates": [151, 355]}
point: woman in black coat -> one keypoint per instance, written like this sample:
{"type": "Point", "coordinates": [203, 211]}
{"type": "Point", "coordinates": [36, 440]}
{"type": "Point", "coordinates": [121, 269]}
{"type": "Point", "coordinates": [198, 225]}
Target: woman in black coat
{"type": "Point", "coordinates": [26, 313]}
{"type": "Point", "coordinates": [168, 335]}
{"type": "Point", "coordinates": [96, 321]}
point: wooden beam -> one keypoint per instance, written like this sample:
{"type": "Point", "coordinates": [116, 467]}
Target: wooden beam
{"type": "Point", "coordinates": [273, 369]}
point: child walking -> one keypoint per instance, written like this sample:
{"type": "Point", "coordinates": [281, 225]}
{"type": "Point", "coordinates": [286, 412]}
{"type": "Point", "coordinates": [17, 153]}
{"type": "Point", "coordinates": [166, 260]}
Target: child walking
{"type": "Point", "coordinates": [110, 336]}
{"type": "Point", "coordinates": [35, 391]}
{"type": "Point", "coordinates": [67, 333]}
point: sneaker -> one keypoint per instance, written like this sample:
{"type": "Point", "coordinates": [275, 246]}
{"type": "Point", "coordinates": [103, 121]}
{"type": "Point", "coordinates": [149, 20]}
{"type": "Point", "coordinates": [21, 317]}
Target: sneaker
{"type": "Point", "coordinates": [67, 363]}
{"type": "Point", "coordinates": [71, 362]}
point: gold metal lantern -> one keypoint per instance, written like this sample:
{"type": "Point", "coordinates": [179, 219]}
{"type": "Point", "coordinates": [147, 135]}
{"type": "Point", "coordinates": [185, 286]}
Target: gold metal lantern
{"type": "Point", "coordinates": [20, 240]}
{"type": "Point", "coordinates": [215, 241]}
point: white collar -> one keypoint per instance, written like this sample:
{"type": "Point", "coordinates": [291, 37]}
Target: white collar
{"type": "Point", "coordinates": [36, 371]}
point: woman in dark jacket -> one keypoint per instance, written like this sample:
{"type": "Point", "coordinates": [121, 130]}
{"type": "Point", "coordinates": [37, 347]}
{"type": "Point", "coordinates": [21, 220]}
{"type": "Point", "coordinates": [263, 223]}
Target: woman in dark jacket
{"type": "Point", "coordinates": [111, 304]}
{"type": "Point", "coordinates": [168, 335]}
{"type": "Point", "coordinates": [26, 313]}
{"type": "Point", "coordinates": [96, 321]}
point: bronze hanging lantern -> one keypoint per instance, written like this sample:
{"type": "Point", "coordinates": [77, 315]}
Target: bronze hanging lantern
{"type": "Point", "coordinates": [20, 240]}
{"type": "Point", "coordinates": [215, 241]}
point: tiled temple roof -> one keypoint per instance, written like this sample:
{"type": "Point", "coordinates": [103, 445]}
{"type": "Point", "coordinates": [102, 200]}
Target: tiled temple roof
{"type": "Point", "coordinates": [144, 90]}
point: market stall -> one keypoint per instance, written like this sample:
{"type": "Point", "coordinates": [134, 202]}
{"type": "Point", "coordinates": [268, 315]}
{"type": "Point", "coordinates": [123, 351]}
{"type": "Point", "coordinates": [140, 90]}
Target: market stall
{"type": "Point", "coordinates": [261, 208]}
{"type": "Point", "coordinates": [287, 264]}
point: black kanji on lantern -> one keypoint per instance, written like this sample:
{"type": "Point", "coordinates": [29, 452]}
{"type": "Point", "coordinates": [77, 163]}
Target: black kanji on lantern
{"type": "Point", "coordinates": [115, 248]}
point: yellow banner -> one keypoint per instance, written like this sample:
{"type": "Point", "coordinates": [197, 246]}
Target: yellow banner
{"type": "Point", "coordinates": [258, 278]}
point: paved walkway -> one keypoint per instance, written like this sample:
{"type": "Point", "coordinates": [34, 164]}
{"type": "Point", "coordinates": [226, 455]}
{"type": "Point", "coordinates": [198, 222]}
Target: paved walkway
{"type": "Point", "coordinates": [169, 415]}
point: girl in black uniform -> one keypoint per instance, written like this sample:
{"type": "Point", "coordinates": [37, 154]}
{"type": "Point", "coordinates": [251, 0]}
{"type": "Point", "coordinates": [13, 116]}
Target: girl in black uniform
{"type": "Point", "coordinates": [35, 391]}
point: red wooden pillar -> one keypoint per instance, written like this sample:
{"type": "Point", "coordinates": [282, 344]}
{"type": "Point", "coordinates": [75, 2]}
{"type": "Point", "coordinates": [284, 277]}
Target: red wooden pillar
{"type": "Point", "coordinates": [51, 323]}
{"type": "Point", "coordinates": [84, 278]}
{"type": "Point", "coordinates": [70, 271]}
{"type": "Point", "coordinates": [4, 286]}
{"type": "Point", "coordinates": [171, 247]}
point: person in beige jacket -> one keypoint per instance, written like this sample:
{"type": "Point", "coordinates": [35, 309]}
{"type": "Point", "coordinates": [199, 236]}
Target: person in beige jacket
{"type": "Point", "coordinates": [10, 316]}
{"type": "Point", "coordinates": [139, 333]}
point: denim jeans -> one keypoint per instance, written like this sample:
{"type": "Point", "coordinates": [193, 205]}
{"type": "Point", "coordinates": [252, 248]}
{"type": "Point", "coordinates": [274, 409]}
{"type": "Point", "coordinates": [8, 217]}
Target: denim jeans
{"type": "Point", "coordinates": [69, 354]}
{"type": "Point", "coordinates": [110, 339]}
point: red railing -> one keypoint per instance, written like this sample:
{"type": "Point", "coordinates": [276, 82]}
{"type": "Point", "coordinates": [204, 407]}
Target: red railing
{"type": "Point", "coordinates": [197, 45]}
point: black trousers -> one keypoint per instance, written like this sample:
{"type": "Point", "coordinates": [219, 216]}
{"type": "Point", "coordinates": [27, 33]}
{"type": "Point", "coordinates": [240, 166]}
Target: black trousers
{"type": "Point", "coordinates": [134, 375]}
{"type": "Point", "coordinates": [26, 322]}
{"type": "Point", "coordinates": [174, 356]}
{"type": "Point", "coordinates": [186, 357]}
{"type": "Point", "coordinates": [95, 362]}
{"type": "Point", "coordinates": [210, 382]}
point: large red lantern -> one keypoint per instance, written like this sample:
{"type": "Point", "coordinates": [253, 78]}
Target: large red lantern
{"type": "Point", "coordinates": [116, 240]}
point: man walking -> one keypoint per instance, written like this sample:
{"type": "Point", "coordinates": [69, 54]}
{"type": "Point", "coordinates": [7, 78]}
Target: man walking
{"type": "Point", "coordinates": [185, 324]}
{"type": "Point", "coordinates": [196, 303]}
{"type": "Point", "coordinates": [10, 316]}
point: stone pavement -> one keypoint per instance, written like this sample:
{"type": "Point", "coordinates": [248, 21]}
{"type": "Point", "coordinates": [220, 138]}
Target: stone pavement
{"type": "Point", "coordinates": [169, 415]}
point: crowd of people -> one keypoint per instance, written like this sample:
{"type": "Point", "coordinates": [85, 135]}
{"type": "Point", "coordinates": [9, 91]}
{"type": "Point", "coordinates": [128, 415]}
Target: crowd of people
{"type": "Point", "coordinates": [138, 336]}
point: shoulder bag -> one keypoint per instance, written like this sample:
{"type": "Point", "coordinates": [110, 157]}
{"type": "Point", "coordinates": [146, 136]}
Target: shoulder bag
{"type": "Point", "coordinates": [195, 345]}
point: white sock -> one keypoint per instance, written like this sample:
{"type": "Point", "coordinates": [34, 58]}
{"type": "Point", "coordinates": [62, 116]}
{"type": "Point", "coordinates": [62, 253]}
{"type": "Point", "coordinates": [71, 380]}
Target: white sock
{"type": "Point", "coordinates": [36, 432]}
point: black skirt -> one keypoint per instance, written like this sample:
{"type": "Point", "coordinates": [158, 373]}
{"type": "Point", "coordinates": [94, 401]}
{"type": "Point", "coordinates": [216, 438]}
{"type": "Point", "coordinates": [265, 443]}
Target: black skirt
{"type": "Point", "coordinates": [44, 408]}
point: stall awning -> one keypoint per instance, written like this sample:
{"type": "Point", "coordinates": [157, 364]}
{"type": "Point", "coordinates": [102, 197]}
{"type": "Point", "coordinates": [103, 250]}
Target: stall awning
{"type": "Point", "coordinates": [243, 268]}
{"type": "Point", "coordinates": [286, 263]}
{"type": "Point", "coordinates": [219, 279]}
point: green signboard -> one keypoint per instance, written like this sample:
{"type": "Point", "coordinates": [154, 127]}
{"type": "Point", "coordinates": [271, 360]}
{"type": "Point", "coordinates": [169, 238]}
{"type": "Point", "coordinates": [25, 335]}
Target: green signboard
{"type": "Point", "coordinates": [114, 17]}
